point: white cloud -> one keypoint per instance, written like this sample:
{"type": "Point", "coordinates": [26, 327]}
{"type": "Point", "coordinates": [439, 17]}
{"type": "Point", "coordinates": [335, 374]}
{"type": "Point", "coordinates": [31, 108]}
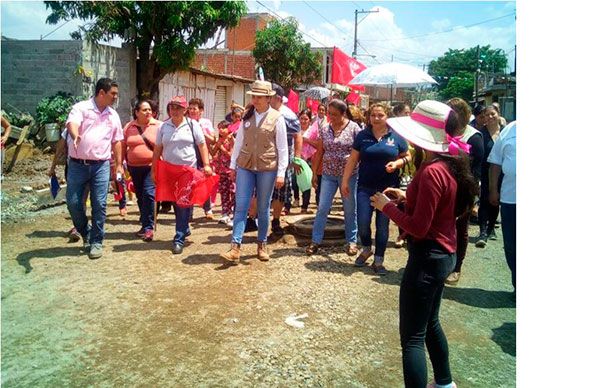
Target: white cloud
{"type": "Point", "coordinates": [378, 34]}
{"type": "Point", "coordinates": [440, 25]}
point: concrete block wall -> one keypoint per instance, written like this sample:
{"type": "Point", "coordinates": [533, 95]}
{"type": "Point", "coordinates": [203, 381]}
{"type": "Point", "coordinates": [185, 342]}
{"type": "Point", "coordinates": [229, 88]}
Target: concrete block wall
{"type": "Point", "coordinates": [34, 69]}
{"type": "Point", "coordinates": [115, 63]}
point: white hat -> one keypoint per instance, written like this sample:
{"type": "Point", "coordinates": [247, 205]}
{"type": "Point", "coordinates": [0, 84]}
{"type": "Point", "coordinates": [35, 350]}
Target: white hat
{"type": "Point", "coordinates": [426, 126]}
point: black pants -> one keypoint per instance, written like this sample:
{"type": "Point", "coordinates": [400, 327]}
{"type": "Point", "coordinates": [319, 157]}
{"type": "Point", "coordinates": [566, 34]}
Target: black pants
{"type": "Point", "coordinates": [509, 234]}
{"type": "Point", "coordinates": [305, 194]}
{"type": "Point", "coordinates": [462, 240]}
{"type": "Point", "coordinates": [488, 213]}
{"type": "Point", "coordinates": [420, 297]}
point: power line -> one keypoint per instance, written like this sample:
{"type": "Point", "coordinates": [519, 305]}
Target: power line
{"type": "Point", "coordinates": [324, 18]}
{"type": "Point", "coordinates": [445, 31]}
{"type": "Point", "coordinates": [275, 13]}
{"type": "Point", "coordinates": [54, 30]}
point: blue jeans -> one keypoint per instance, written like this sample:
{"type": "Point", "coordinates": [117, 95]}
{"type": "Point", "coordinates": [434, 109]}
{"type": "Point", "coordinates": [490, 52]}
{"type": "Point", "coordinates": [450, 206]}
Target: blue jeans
{"type": "Point", "coordinates": [97, 177]}
{"type": "Point", "coordinates": [182, 223]}
{"type": "Point", "coordinates": [364, 214]}
{"type": "Point", "coordinates": [508, 213]}
{"type": "Point", "coordinates": [329, 186]}
{"type": "Point", "coordinates": [144, 192]}
{"type": "Point", "coordinates": [245, 183]}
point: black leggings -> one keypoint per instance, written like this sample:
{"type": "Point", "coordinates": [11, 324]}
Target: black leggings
{"type": "Point", "coordinates": [488, 213]}
{"type": "Point", "coordinates": [420, 297]}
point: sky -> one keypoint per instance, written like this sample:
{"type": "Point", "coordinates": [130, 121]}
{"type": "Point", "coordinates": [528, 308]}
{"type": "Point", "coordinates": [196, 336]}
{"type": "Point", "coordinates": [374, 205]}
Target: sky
{"type": "Point", "coordinates": [412, 32]}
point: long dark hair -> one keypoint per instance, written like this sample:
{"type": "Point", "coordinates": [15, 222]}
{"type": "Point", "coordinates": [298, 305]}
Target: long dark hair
{"type": "Point", "coordinates": [460, 168]}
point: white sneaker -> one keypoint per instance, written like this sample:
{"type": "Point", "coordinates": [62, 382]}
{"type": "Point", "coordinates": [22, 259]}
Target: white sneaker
{"type": "Point", "coordinates": [230, 223]}
{"type": "Point", "coordinates": [224, 219]}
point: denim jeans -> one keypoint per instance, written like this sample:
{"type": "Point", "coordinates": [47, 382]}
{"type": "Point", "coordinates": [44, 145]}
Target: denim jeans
{"type": "Point", "coordinates": [329, 186]}
{"type": "Point", "coordinates": [144, 192]}
{"type": "Point", "coordinates": [305, 194]}
{"type": "Point", "coordinates": [245, 183]}
{"type": "Point", "coordinates": [182, 223]}
{"type": "Point", "coordinates": [508, 213]}
{"type": "Point", "coordinates": [364, 214]}
{"type": "Point", "coordinates": [97, 177]}
{"type": "Point", "coordinates": [420, 298]}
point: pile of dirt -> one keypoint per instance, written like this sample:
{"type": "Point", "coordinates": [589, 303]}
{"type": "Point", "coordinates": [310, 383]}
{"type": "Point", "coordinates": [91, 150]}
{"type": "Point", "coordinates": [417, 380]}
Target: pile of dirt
{"type": "Point", "coordinates": [18, 186]}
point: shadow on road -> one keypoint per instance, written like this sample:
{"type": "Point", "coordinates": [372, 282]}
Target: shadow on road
{"type": "Point", "coordinates": [477, 297]}
{"type": "Point", "coordinates": [348, 269]}
{"type": "Point", "coordinates": [24, 259]}
{"type": "Point", "coordinates": [506, 337]}
{"type": "Point", "coordinates": [207, 258]}
{"type": "Point", "coordinates": [47, 234]}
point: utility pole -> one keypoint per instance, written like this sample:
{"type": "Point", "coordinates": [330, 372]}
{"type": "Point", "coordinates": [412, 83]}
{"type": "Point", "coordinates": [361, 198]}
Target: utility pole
{"type": "Point", "coordinates": [477, 75]}
{"type": "Point", "coordinates": [356, 12]}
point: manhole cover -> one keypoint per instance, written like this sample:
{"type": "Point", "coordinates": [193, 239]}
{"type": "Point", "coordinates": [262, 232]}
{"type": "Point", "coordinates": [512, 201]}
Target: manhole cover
{"type": "Point", "coordinates": [334, 227]}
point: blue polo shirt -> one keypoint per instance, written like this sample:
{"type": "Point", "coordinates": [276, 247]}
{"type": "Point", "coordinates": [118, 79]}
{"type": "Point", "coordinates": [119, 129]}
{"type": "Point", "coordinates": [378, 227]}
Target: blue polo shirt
{"type": "Point", "coordinates": [374, 155]}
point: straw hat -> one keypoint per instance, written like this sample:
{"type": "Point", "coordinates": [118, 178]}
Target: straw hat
{"type": "Point", "coordinates": [261, 88]}
{"type": "Point", "coordinates": [426, 126]}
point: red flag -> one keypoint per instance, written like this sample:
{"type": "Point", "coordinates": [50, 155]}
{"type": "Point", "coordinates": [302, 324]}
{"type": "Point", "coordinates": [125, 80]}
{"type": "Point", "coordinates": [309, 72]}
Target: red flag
{"type": "Point", "coordinates": [184, 185]}
{"type": "Point", "coordinates": [313, 105]}
{"type": "Point", "coordinates": [293, 101]}
{"type": "Point", "coordinates": [345, 68]}
{"type": "Point", "coordinates": [353, 98]}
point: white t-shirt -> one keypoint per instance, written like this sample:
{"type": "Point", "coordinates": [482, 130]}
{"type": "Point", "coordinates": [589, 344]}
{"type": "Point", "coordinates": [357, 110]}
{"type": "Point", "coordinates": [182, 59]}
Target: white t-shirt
{"type": "Point", "coordinates": [504, 153]}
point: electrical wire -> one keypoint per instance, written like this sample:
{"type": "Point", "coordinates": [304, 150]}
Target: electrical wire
{"type": "Point", "coordinates": [304, 33]}
{"type": "Point", "coordinates": [445, 31]}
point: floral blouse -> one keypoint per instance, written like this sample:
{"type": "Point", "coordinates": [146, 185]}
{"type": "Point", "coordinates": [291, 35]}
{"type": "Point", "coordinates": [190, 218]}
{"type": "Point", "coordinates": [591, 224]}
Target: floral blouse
{"type": "Point", "coordinates": [337, 149]}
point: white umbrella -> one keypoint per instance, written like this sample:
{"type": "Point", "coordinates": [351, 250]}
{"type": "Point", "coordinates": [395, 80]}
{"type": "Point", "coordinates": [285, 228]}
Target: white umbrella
{"type": "Point", "coordinates": [317, 93]}
{"type": "Point", "coordinates": [393, 74]}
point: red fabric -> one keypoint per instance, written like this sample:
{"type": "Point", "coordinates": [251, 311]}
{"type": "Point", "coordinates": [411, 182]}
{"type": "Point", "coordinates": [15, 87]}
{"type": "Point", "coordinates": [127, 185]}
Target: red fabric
{"type": "Point", "coordinates": [313, 105]}
{"type": "Point", "coordinates": [353, 98]}
{"type": "Point", "coordinates": [429, 210]}
{"type": "Point", "coordinates": [293, 101]}
{"type": "Point", "coordinates": [184, 185]}
{"type": "Point", "coordinates": [345, 68]}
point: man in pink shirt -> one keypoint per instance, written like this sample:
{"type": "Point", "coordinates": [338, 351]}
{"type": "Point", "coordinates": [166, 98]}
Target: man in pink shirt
{"type": "Point", "coordinates": [94, 128]}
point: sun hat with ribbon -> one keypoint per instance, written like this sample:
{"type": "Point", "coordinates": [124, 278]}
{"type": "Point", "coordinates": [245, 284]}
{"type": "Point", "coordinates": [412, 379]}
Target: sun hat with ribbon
{"type": "Point", "coordinates": [426, 128]}
{"type": "Point", "coordinates": [261, 88]}
{"type": "Point", "coordinates": [179, 100]}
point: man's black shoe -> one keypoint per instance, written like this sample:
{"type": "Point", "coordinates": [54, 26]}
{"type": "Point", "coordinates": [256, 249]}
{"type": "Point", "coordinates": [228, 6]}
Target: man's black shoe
{"type": "Point", "coordinates": [276, 228]}
{"type": "Point", "coordinates": [250, 225]}
{"type": "Point", "coordinates": [177, 248]}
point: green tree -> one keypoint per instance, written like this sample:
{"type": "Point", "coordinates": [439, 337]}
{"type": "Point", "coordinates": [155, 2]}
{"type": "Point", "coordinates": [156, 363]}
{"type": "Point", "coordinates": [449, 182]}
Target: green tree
{"type": "Point", "coordinates": [459, 85]}
{"type": "Point", "coordinates": [446, 68]}
{"type": "Point", "coordinates": [166, 34]}
{"type": "Point", "coordinates": [284, 56]}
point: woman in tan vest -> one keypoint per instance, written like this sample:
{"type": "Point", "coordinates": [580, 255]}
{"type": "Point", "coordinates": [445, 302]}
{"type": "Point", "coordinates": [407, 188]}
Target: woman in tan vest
{"type": "Point", "coordinates": [258, 163]}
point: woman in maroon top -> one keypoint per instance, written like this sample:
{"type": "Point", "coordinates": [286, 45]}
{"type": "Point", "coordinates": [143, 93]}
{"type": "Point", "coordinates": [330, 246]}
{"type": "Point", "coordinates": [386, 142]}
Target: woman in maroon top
{"type": "Point", "coordinates": [442, 189]}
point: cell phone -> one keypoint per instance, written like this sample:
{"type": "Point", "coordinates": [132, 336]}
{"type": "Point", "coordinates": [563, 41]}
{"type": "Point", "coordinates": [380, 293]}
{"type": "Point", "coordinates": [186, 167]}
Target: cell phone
{"type": "Point", "coordinates": [392, 195]}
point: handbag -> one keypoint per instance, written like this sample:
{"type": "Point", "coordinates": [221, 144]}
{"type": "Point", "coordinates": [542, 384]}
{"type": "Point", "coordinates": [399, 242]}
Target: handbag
{"type": "Point", "coordinates": [405, 177]}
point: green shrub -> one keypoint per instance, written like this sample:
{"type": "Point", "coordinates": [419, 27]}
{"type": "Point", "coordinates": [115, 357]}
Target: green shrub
{"type": "Point", "coordinates": [56, 109]}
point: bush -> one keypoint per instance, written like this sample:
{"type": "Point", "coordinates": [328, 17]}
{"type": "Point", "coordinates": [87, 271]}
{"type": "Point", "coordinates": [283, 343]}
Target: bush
{"type": "Point", "coordinates": [18, 119]}
{"type": "Point", "coordinates": [55, 109]}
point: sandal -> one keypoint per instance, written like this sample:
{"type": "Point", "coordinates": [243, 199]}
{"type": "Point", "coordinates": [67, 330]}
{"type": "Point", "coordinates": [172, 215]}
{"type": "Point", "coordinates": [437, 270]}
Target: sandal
{"type": "Point", "coordinates": [379, 269]}
{"type": "Point", "coordinates": [362, 258]}
{"type": "Point", "coordinates": [352, 249]}
{"type": "Point", "coordinates": [312, 249]}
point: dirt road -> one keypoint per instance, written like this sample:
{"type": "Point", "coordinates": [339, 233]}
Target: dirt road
{"type": "Point", "coordinates": [141, 316]}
